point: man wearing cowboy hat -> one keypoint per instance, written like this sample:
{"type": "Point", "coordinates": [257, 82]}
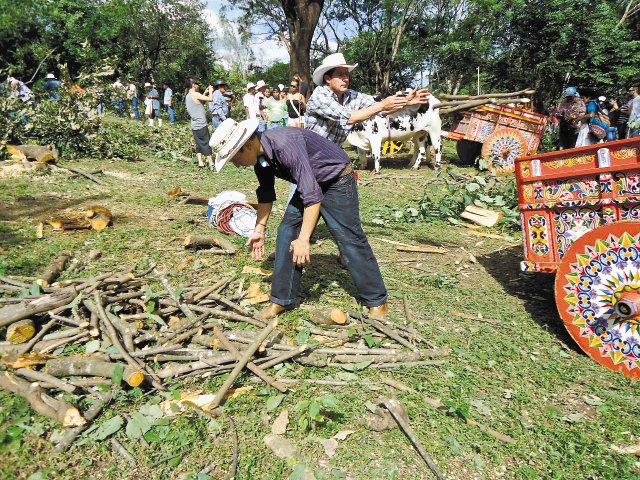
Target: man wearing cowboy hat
{"type": "Point", "coordinates": [325, 187]}
{"type": "Point", "coordinates": [219, 107]}
{"type": "Point", "coordinates": [249, 102]}
{"type": "Point", "coordinates": [334, 108]}
{"type": "Point", "coordinates": [52, 86]}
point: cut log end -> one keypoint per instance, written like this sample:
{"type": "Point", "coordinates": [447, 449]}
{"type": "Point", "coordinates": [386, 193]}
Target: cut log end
{"type": "Point", "coordinates": [481, 216]}
{"type": "Point", "coordinates": [21, 331]}
{"type": "Point", "coordinates": [134, 379]}
{"type": "Point", "coordinates": [72, 418]}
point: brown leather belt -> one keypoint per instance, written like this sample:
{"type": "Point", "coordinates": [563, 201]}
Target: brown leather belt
{"type": "Point", "coordinates": [347, 170]}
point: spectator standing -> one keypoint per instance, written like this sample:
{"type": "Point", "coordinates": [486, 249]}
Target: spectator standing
{"type": "Point", "coordinates": [98, 92]}
{"type": "Point", "coordinates": [20, 90]}
{"type": "Point", "coordinates": [634, 112]}
{"type": "Point", "coordinates": [168, 103]}
{"type": "Point", "coordinates": [623, 118]}
{"type": "Point", "coordinates": [585, 137]}
{"type": "Point", "coordinates": [249, 101]}
{"type": "Point", "coordinates": [52, 85]}
{"type": "Point", "coordinates": [152, 104]}
{"type": "Point", "coordinates": [569, 112]}
{"type": "Point", "coordinates": [296, 105]}
{"type": "Point", "coordinates": [132, 94]}
{"type": "Point", "coordinates": [194, 101]}
{"type": "Point", "coordinates": [259, 99]}
{"type": "Point", "coordinates": [276, 107]}
{"type": "Point", "coordinates": [219, 107]}
{"type": "Point", "coordinates": [303, 87]}
{"type": "Point", "coordinates": [118, 92]}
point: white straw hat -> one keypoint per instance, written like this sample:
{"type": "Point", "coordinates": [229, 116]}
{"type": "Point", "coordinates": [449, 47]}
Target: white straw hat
{"type": "Point", "coordinates": [260, 84]}
{"type": "Point", "coordinates": [330, 62]}
{"type": "Point", "coordinates": [51, 75]}
{"type": "Point", "coordinates": [147, 84]}
{"type": "Point", "coordinates": [251, 85]}
{"type": "Point", "coordinates": [229, 137]}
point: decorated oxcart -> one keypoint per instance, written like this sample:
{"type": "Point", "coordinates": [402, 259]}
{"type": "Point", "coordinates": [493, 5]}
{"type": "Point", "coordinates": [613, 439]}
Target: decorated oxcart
{"type": "Point", "coordinates": [498, 133]}
{"type": "Point", "coordinates": [581, 220]}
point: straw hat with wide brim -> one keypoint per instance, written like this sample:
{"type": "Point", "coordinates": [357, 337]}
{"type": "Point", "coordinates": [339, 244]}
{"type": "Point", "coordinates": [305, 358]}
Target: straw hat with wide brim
{"type": "Point", "coordinates": [330, 62]}
{"type": "Point", "coordinates": [229, 137]}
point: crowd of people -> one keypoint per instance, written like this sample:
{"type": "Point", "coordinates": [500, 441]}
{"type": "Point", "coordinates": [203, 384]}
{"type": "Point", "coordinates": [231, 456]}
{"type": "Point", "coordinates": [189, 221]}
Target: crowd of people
{"type": "Point", "coordinates": [585, 118]}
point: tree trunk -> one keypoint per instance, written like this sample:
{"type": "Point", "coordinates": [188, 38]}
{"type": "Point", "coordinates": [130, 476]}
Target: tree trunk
{"type": "Point", "coordinates": [302, 18]}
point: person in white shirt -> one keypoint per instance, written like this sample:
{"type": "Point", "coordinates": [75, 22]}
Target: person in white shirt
{"type": "Point", "coordinates": [168, 102]}
{"type": "Point", "coordinates": [259, 100]}
{"type": "Point", "coordinates": [249, 102]}
{"type": "Point", "coordinates": [132, 94]}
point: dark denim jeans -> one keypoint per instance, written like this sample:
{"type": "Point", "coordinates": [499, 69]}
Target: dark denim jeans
{"type": "Point", "coordinates": [340, 211]}
{"type": "Point", "coordinates": [134, 106]}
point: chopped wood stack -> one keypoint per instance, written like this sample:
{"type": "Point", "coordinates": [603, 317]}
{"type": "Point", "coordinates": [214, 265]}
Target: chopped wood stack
{"type": "Point", "coordinates": [456, 103]}
{"type": "Point", "coordinates": [111, 330]}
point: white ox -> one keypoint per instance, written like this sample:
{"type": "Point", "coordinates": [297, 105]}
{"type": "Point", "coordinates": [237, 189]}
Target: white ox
{"type": "Point", "coordinates": [414, 122]}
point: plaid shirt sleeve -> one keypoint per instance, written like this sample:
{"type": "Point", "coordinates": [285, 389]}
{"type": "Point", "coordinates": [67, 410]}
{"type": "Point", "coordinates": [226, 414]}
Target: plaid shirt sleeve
{"type": "Point", "coordinates": [328, 117]}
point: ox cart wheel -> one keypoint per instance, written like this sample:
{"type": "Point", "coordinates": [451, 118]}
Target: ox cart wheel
{"type": "Point", "coordinates": [597, 292]}
{"type": "Point", "coordinates": [501, 149]}
{"type": "Point", "coordinates": [468, 151]}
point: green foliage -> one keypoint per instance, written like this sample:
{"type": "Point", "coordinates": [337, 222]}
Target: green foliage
{"type": "Point", "coordinates": [315, 411]}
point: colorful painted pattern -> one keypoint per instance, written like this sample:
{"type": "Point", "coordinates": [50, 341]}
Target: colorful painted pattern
{"type": "Point", "coordinates": [571, 224]}
{"type": "Point", "coordinates": [567, 190]}
{"type": "Point", "coordinates": [624, 153]}
{"type": "Point", "coordinates": [502, 147]}
{"type": "Point", "coordinates": [630, 212]}
{"type": "Point", "coordinates": [598, 271]}
{"type": "Point", "coordinates": [627, 184]}
{"type": "Point", "coordinates": [571, 161]}
{"type": "Point", "coordinates": [608, 215]}
{"type": "Point", "coordinates": [538, 236]}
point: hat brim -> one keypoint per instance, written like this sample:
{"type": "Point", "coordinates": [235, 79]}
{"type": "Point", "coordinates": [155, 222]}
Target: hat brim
{"type": "Point", "coordinates": [243, 132]}
{"type": "Point", "coordinates": [319, 72]}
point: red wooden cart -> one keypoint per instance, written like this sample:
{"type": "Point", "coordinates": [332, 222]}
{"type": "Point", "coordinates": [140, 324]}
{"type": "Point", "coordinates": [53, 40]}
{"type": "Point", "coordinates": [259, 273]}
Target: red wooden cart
{"type": "Point", "coordinates": [499, 133]}
{"type": "Point", "coordinates": [581, 219]}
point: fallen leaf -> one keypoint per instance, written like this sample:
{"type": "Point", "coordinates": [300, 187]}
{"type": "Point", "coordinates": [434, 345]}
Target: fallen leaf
{"type": "Point", "coordinates": [235, 392]}
{"type": "Point", "coordinates": [343, 434]}
{"type": "Point", "coordinates": [281, 447]}
{"type": "Point", "coordinates": [258, 299]}
{"type": "Point", "coordinates": [280, 423]}
{"type": "Point", "coordinates": [256, 270]}
{"type": "Point", "coordinates": [633, 450]}
{"type": "Point", "coordinates": [330, 446]}
{"type": "Point", "coordinates": [253, 290]}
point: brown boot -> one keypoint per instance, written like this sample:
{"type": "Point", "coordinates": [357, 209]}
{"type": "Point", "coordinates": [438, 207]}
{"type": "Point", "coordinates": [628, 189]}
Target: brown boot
{"type": "Point", "coordinates": [270, 311]}
{"type": "Point", "coordinates": [379, 311]}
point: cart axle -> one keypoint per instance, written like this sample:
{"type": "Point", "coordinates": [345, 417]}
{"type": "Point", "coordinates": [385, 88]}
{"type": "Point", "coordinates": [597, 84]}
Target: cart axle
{"type": "Point", "coordinates": [628, 305]}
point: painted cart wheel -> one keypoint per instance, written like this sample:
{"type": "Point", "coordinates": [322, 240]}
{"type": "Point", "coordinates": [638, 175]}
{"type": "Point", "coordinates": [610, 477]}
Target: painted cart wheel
{"type": "Point", "coordinates": [468, 151]}
{"type": "Point", "coordinates": [598, 295]}
{"type": "Point", "coordinates": [501, 148]}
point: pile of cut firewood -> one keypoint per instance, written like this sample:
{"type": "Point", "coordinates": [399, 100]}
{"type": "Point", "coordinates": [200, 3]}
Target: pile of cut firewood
{"type": "Point", "coordinates": [454, 103]}
{"type": "Point", "coordinates": [135, 329]}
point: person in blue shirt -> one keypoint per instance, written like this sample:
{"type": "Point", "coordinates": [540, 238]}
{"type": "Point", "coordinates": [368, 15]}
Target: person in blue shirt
{"type": "Point", "coordinates": [219, 107]}
{"type": "Point", "coordinates": [168, 103]}
{"type": "Point", "coordinates": [52, 86]}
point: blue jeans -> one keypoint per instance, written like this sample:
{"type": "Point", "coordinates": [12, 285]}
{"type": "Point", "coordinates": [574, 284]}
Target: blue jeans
{"type": "Point", "coordinates": [273, 125]}
{"type": "Point", "coordinates": [119, 107]}
{"type": "Point", "coordinates": [134, 106]}
{"type": "Point", "coordinates": [100, 109]}
{"type": "Point", "coordinates": [261, 125]}
{"type": "Point", "coordinates": [172, 117]}
{"type": "Point", "coordinates": [215, 121]}
{"type": "Point", "coordinates": [340, 211]}
{"type": "Point", "coordinates": [157, 112]}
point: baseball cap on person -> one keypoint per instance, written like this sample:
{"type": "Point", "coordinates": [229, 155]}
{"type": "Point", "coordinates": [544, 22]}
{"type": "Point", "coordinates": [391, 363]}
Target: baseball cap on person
{"type": "Point", "coordinates": [251, 85]}
{"type": "Point", "coordinates": [147, 84]}
{"type": "Point", "coordinates": [50, 75]}
{"type": "Point", "coordinates": [570, 92]}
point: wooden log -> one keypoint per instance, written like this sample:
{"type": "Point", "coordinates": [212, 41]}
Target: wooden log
{"type": "Point", "coordinates": [45, 328]}
{"type": "Point", "coordinates": [53, 271]}
{"type": "Point", "coordinates": [20, 332]}
{"type": "Point", "coordinates": [91, 366]}
{"type": "Point", "coordinates": [12, 313]}
{"type": "Point", "coordinates": [39, 153]}
{"type": "Point", "coordinates": [36, 376]}
{"type": "Point", "coordinates": [327, 316]}
{"type": "Point", "coordinates": [251, 366]}
{"type": "Point", "coordinates": [69, 221]}
{"type": "Point", "coordinates": [477, 103]}
{"type": "Point", "coordinates": [79, 171]}
{"type": "Point", "coordinates": [526, 91]}
{"type": "Point", "coordinates": [481, 216]}
{"type": "Point", "coordinates": [422, 249]}
{"type": "Point", "coordinates": [49, 345]}
{"type": "Point", "coordinates": [242, 363]}
{"type": "Point", "coordinates": [180, 369]}
{"type": "Point", "coordinates": [216, 312]}
{"type": "Point", "coordinates": [407, 357]}
{"type": "Point", "coordinates": [99, 217]}
{"type": "Point", "coordinates": [59, 410]}
{"type": "Point", "coordinates": [207, 241]}
{"type": "Point", "coordinates": [67, 332]}
{"type": "Point", "coordinates": [399, 414]}
{"type": "Point", "coordinates": [94, 410]}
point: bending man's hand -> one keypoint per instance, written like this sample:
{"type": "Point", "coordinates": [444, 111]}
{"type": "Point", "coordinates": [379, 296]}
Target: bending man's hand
{"type": "Point", "coordinates": [422, 95]}
{"type": "Point", "coordinates": [301, 252]}
{"type": "Point", "coordinates": [256, 241]}
{"type": "Point", "coordinates": [393, 103]}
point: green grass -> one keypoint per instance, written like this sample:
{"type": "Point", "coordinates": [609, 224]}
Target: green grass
{"type": "Point", "coordinates": [514, 370]}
